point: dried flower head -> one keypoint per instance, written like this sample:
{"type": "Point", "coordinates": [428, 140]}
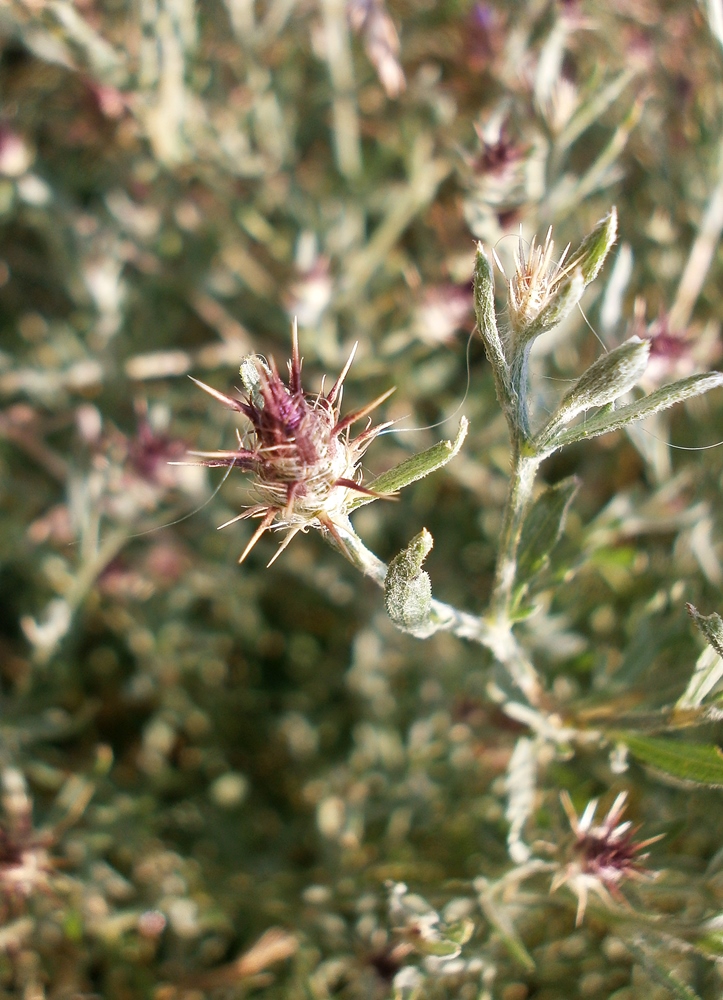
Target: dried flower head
{"type": "Point", "coordinates": [604, 855]}
{"type": "Point", "coordinates": [536, 279]}
{"type": "Point", "coordinates": [299, 448]}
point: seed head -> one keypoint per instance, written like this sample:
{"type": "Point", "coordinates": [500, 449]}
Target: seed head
{"type": "Point", "coordinates": [304, 462]}
{"type": "Point", "coordinates": [603, 855]}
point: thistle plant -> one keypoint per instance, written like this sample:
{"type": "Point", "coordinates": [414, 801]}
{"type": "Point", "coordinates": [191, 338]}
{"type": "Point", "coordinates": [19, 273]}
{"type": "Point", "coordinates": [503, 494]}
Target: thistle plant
{"type": "Point", "coordinates": [305, 465]}
{"type": "Point", "coordinates": [306, 784]}
{"type": "Point", "coordinates": [304, 468]}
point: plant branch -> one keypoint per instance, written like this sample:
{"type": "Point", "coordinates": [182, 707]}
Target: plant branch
{"type": "Point", "coordinates": [495, 636]}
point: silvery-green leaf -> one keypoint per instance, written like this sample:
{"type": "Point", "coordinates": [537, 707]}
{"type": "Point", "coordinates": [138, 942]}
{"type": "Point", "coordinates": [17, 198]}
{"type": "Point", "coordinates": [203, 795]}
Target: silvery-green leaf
{"type": "Point", "coordinates": [709, 666]}
{"type": "Point", "coordinates": [249, 372]}
{"type": "Point", "coordinates": [407, 588]}
{"type": "Point", "coordinates": [542, 528]}
{"type": "Point", "coordinates": [608, 378]}
{"type": "Point", "coordinates": [484, 307]}
{"type": "Point", "coordinates": [661, 399]}
{"type": "Point", "coordinates": [414, 468]}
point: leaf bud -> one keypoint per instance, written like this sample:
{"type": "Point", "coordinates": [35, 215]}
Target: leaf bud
{"type": "Point", "coordinates": [407, 588]}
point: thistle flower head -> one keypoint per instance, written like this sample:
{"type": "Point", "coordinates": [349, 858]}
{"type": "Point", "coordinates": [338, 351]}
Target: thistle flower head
{"type": "Point", "coordinates": [500, 154]}
{"type": "Point", "coordinates": [603, 854]}
{"type": "Point", "coordinates": [536, 279]}
{"type": "Point", "coordinates": [299, 449]}
{"type": "Point", "coordinates": [543, 291]}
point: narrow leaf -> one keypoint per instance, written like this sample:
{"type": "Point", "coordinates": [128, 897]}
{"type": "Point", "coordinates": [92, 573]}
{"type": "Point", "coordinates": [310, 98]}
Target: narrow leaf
{"type": "Point", "coordinates": [710, 625]}
{"type": "Point", "coordinates": [661, 399]}
{"type": "Point", "coordinates": [608, 378]}
{"type": "Point", "coordinates": [499, 918]}
{"type": "Point", "coordinates": [484, 307]}
{"type": "Point", "coordinates": [701, 763]}
{"type": "Point", "coordinates": [512, 941]}
{"type": "Point", "coordinates": [414, 468]}
{"type": "Point", "coordinates": [593, 110]}
{"type": "Point", "coordinates": [542, 529]}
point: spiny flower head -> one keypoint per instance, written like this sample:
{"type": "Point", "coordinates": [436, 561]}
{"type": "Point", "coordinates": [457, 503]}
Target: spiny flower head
{"type": "Point", "coordinates": [603, 854]}
{"type": "Point", "coordinates": [304, 461]}
{"type": "Point", "coordinates": [536, 279]}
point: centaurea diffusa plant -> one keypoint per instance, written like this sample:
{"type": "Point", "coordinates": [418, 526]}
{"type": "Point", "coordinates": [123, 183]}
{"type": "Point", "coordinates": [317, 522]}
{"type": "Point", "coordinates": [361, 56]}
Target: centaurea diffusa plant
{"type": "Point", "coordinates": [305, 468]}
{"type": "Point", "coordinates": [305, 463]}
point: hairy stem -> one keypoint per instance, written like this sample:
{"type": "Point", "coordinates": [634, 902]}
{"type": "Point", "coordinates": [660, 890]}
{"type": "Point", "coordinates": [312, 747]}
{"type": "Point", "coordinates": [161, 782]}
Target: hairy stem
{"type": "Point", "coordinates": [519, 496]}
{"type": "Point", "coordinates": [518, 418]}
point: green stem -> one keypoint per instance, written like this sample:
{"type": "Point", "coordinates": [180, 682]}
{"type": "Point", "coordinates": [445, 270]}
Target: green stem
{"type": "Point", "coordinates": [519, 496]}
{"type": "Point", "coordinates": [518, 417]}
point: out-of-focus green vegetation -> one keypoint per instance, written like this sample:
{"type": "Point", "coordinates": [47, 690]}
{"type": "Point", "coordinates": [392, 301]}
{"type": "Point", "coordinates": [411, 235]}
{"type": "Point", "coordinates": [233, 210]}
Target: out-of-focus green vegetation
{"type": "Point", "coordinates": [217, 780]}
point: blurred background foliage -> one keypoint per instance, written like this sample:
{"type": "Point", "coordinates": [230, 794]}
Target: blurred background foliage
{"type": "Point", "coordinates": [194, 752]}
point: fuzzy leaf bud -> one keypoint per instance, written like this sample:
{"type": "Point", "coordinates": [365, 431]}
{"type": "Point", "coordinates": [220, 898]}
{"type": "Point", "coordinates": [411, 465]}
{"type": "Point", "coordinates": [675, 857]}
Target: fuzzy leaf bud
{"type": "Point", "coordinates": [593, 250]}
{"type": "Point", "coordinates": [407, 588]}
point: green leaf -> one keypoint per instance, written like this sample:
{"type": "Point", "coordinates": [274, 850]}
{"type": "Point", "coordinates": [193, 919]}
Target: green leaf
{"type": "Point", "coordinates": [414, 468]}
{"type": "Point", "coordinates": [711, 944]}
{"type": "Point", "coordinates": [608, 378]}
{"type": "Point", "coordinates": [498, 915]}
{"type": "Point", "coordinates": [592, 110]}
{"type": "Point", "coordinates": [542, 528]}
{"type": "Point", "coordinates": [701, 763]}
{"type": "Point", "coordinates": [710, 625]}
{"type": "Point", "coordinates": [510, 938]}
{"type": "Point", "coordinates": [661, 399]}
{"type": "Point", "coordinates": [460, 932]}
{"type": "Point", "coordinates": [407, 588]}
{"type": "Point", "coordinates": [441, 949]}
